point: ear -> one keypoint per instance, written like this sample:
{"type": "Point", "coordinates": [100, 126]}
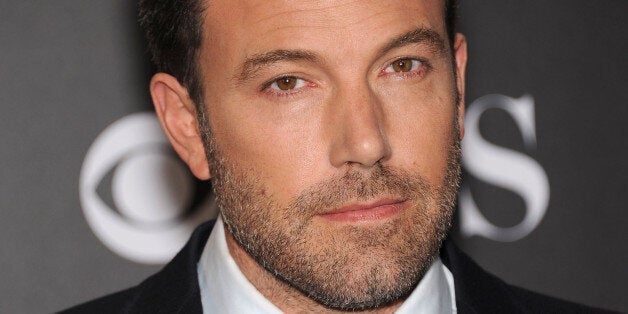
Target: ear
{"type": "Point", "coordinates": [460, 55]}
{"type": "Point", "coordinates": [177, 115]}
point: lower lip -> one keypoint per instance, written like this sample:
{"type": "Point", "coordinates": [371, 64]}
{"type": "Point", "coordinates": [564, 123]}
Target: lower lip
{"type": "Point", "coordinates": [369, 214]}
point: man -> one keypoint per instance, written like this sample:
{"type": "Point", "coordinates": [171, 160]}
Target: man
{"type": "Point", "coordinates": [331, 132]}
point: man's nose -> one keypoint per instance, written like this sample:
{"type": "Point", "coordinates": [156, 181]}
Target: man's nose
{"type": "Point", "coordinates": [359, 135]}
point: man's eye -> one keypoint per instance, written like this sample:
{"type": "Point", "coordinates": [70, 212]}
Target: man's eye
{"type": "Point", "coordinates": [287, 83]}
{"type": "Point", "coordinates": [403, 65]}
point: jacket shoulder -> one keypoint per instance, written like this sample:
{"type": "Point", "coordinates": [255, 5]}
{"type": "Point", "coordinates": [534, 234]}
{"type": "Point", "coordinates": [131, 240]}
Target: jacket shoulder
{"type": "Point", "coordinates": [114, 303]}
{"type": "Point", "coordinates": [533, 302]}
{"type": "Point", "coordinates": [174, 289]}
{"type": "Point", "coordinates": [478, 291]}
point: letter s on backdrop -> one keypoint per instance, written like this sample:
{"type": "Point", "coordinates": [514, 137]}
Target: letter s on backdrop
{"type": "Point", "coordinates": [504, 168]}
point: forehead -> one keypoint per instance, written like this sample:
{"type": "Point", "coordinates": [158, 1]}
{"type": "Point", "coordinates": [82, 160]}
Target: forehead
{"type": "Point", "coordinates": [252, 26]}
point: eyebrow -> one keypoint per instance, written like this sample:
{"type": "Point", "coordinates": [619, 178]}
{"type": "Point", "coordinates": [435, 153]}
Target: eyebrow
{"type": "Point", "coordinates": [420, 35]}
{"type": "Point", "coordinates": [256, 62]}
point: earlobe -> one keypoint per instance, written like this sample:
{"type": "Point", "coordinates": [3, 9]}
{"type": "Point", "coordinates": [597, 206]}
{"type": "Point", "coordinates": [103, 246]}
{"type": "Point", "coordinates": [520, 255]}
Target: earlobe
{"type": "Point", "coordinates": [460, 55]}
{"type": "Point", "coordinates": [177, 115]}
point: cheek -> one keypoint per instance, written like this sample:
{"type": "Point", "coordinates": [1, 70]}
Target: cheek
{"type": "Point", "coordinates": [270, 145]}
{"type": "Point", "coordinates": [421, 127]}
{"type": "Point", "coordinates": [424, 151]}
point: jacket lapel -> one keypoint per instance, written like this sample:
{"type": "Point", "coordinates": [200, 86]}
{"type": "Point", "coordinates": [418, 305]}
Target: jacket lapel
{"type": "Point", "coordinates": [476, 290]}
{"type": "Point", "coordinates": [175, 288]}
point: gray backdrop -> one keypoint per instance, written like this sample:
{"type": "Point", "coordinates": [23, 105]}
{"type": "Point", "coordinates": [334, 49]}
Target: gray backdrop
{"type": "Point", "coordinates": [546, 86]}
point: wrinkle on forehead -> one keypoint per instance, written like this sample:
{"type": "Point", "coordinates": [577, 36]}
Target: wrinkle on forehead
{"type": "Point", "coordinates": [285, 14]}
{"type": "Point", "coordinates": [321, 15]}
{"type": "Point", "coordinates": [288, 11]}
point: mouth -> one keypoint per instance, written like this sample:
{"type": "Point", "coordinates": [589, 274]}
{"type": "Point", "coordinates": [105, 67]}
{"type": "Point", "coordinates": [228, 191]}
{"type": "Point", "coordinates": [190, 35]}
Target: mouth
{"type": "Point", "coordinates": [364, 212]}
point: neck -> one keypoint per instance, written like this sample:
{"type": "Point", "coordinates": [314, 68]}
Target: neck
{"type": "Point", "coordinates": [282, 295]}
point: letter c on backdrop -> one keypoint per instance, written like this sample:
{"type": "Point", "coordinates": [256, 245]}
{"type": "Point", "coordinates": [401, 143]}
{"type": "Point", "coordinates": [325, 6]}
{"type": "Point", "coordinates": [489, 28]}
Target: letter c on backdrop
{"type": "Point", "coordinates": [149, 218]}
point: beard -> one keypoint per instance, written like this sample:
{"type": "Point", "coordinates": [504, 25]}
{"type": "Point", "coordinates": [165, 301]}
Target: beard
{"type": "Point", "coordinates": [343, 267]}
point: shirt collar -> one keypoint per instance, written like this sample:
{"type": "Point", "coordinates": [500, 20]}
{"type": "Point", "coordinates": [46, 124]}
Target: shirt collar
{"type": "Point", "coordinates": [224, 289]}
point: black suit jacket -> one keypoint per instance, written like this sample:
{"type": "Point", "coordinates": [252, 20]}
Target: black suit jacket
{"type": "Point", "coordinates": [175, 288]}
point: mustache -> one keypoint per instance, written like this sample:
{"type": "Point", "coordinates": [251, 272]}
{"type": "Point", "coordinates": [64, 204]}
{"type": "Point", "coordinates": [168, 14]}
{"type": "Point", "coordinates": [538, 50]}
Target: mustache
{"type": "Point", "coordinates": [359, 185]}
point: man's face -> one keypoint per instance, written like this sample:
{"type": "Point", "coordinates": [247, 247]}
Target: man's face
{"type": "Point", "coordinates": [334, 140]}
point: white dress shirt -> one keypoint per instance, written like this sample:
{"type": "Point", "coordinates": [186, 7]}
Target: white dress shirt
{"type": "Point", "coordinates": [224, 289]}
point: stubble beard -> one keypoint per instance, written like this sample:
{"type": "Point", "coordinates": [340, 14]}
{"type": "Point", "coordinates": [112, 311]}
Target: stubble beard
{"type": "Point", "coordinates": [347, 267]}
